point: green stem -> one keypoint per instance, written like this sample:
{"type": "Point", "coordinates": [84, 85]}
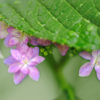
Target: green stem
{"type": "Point", "coordinates": [57, 68]}
{"type": "Point", "coordinates": [66, 88]}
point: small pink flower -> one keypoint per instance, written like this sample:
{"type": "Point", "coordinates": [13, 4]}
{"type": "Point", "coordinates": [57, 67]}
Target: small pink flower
{"type": "Point", "coordinates": [1, 56]}
{"type": "Point", "coordinates": [15, 38]}
{"type": "Point", "coordinates": [23, 61]}
{"type": "Point", "coordinates": [37, 41]}
{"type": "Point", "coordinates": [86, 69]}
{"type": "Point", "coordinates": [62, 48]}
{"type": "Point", "coordinates": [3, 30]}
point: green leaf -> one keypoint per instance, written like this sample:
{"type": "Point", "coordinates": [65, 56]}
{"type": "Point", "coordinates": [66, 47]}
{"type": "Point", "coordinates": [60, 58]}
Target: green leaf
{"type": "Point", "coordinates": [72, 22]}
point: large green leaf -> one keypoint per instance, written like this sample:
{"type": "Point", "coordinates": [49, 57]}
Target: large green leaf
{"type": "Point", "coordinates": [72, 22]}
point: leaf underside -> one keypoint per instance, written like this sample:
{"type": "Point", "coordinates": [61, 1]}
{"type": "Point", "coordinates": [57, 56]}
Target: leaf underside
{"type": "Point", "coordinates": [75, 23]}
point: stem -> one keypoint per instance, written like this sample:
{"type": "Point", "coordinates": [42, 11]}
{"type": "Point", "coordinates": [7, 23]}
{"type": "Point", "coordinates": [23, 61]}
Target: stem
{"type": "Point", "coordinates": [66, 88]}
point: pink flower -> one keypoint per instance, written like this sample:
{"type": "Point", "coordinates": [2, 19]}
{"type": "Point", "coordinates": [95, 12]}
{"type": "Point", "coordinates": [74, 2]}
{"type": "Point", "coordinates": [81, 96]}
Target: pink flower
{"type": "Point", "coordinates": [86, 69]}
{"type": "Point", "coordinates": [3, 30]}
{"type": "Point", "coordinates": [23, 62]}
{"type": "Point", "coordinates": [15, 38]}
{"type": "Point", "coordinates": [1, 56]}
{"type": "Point", "coordinates": [37, 41]}
{"type": "Point", "coordinates": [62, 48]}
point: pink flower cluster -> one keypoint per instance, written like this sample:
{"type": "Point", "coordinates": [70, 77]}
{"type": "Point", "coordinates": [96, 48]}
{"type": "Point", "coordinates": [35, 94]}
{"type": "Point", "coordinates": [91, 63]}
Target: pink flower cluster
{"type": "Point", "coordinates": [14, 37]}
{"type": "Point", "coordinates": [24, 59]}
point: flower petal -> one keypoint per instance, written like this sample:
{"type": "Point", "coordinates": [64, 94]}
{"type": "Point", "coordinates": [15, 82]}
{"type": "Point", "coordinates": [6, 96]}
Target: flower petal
{"type": "Point", "coordinates": [16, 54]}
{"type": "Point", "coordinates": [23, 48]}
{"type": "Point", "coordinates": [13, 41]}
{"type": "Point", "coordinates": [32, 63]}
{"type": "Point", "coordinates": [43, 42]}
{"type": "Point", "coordinates": [34, 73]}
{"type": "Point", "coordinates": [33, 40]}
{"type": "Point", "coordinates": [30, 53]}
{"type": "Point", "coordinates": [36, 60]}
{"type": "Point", "coordinates": [97, 67]}
{"type": "Point", "coordinates": [63, 49]}
{"type": "Point", "coordinates": [7, 39]}
{"type": "Point", "coordinates": [86, 69]}
{"type": "Point", "coordinates": [85, 55]}
{"type": "Point", "coordinates": [19, 44]}
{"type": "Point", "coordinates": [35, 51]}
{"type": "Point", "coordinates": [13, 31]}
{"type": "Point", "coordinates": [93, 60]}
{"type": "Point", "coordinates": [9, 60]}
{"type": "Point", "coordinates": [99, 54]}
{"type": "Point", "coordinates": [95, 53]}
{"type": "Point", "coordinates": [18, 77]}
{"type": "Point", "coordinates": [24, 59]}
{"type": "Point", "coordinates": [25, 39]}
{"type": "Point", "coordinates": [25, 69]}
{"type": "Point", "coordinates": [99, 61]}
{"type": "Point", "coordinates": [14, 67]}
{"type": "Point", "coordinates": [98, 75]}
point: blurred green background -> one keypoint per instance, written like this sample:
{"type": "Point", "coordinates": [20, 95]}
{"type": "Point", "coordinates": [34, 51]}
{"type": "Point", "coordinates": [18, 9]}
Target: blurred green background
{"type": "Point", "coordinates": [47, 88]}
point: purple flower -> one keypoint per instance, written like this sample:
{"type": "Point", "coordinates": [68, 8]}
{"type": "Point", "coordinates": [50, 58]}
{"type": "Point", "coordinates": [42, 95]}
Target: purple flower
{"type": "Point", "coordinates": [1, 56]}
{"type": "Point", "coordinates": [37, 41]}
{"type": "Point", "coordinates": [62, 48]}
{"type": "Point", "coordinates": [86, 69]}
{"type": "Point", "coordinates": [15, 38]}
{"type": "Point", "coordinates": [23, 61]}
{"type": "Point", "coordinates": [3, 30]}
